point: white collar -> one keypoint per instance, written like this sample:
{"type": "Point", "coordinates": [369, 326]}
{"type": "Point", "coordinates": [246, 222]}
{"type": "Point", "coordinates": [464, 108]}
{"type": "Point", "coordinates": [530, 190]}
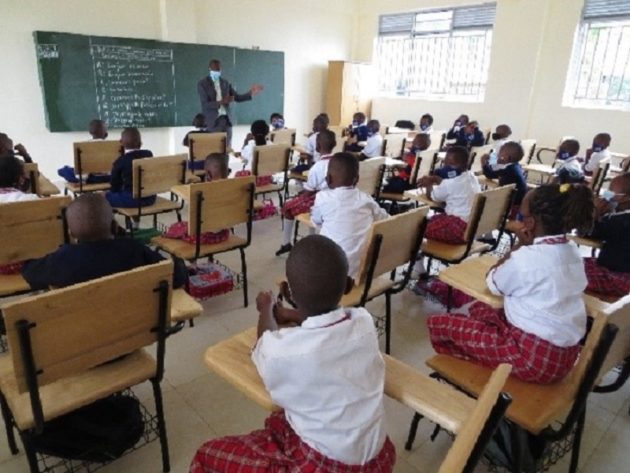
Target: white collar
{"type": "Point", "coordinates": [324, 320]}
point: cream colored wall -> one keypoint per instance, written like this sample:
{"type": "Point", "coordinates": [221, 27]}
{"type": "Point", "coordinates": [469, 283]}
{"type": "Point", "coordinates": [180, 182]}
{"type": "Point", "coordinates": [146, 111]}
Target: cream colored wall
{"type": "Point", "coordinates": [531, 48]}
{"type": "Point", "coordinates": [306, 31]}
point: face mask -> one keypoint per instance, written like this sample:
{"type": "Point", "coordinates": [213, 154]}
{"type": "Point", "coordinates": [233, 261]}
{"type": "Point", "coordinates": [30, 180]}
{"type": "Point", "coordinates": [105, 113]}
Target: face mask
{"type": "Point", "coordinates": [608, 195]}
{"type": "Point", "coordinates": [496, 136]}
{"type": "Point", "coordinates": [370, 133]}
{"type": "Point", "coordinates": [355, 123]}
{"type": "Point", "coordinates": [448, 172]}
{"type": "Point", "coordinates": [278, 124]}
{"type": "Point", "coordinates": [424, 127]}
{"type": "Point", "coordinates": [457, 124]}
{"type": "Point", "coordinates": [493, 158]}
{"type": "Point", "coordinates": [597, 148]}
{"type": "Point", "coordinates": [563, 155]}
{"type": "Point", "coordinates": [214, 75]}
{"type": "Point", "coordinates": [470, 137]}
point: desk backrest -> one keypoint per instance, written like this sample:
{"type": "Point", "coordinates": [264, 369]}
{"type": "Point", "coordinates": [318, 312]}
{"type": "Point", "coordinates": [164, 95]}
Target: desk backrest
{"type": "Point", "coordinates": [394, 145]}
{"type": "Point", "coordinates": [529, 147]}
{"type": "Point", "coordinates": [152, 176]}
{"type": "Point", "coordinates": [81, 326]}
{"type": "Point", "coordinates": [599, 176]}
{"type": "Point", "coordinates": [31, 229]}
{"type": "Point", "coordinates": [618, 313]}
{"type": "Point", "coordinates": [338, 130]}
{"type": "Point", "coordinates": [271, 159]}
{"type": "Point", "coordinates": [476, 152]}
{"type": "Point", "coordinates": [200, 145]}
{"type": "Point", "coordinates": [437, 139]}
{"type": "Point", "coordinates": [496, 204]}
{"type": "Point", "coordinates": [371, 175]}
{"type": "Point", "coordinates": [32, 172]}
{"type": "Point", "coordinates": [224, 204]}
{"type": "Point", "coordinates": [286, 137]}
{"type": "Point", "coordinates": [400, 240]}
{"type": "Point", "coordinates": [96, 156]}
{"type": "Point", "coordinates": [429, 159]}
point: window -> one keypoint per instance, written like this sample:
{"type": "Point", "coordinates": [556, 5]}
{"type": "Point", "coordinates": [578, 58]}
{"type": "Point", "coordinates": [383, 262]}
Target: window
{"type": "Point", "coordinates": [437, 54]}
{"type": "Point", "coordinates": [599, 74]}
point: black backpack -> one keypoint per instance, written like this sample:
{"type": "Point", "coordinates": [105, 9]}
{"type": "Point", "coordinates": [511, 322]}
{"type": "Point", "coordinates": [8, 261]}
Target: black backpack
{"type": "Point", "coordinates": [99, 432]}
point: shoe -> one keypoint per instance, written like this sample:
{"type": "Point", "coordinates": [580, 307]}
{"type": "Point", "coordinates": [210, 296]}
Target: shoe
{"type": "Point", "coordinates": [284, 249]}
{"type": "Point", "coordinates": [488, 241]}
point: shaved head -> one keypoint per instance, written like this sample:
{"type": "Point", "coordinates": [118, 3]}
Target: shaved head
{"type": "Point", "coordinates": [90, 217]}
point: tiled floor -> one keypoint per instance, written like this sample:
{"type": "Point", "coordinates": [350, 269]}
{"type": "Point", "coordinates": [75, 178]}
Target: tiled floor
{"type": "Point", "coordinates": [200, 406]}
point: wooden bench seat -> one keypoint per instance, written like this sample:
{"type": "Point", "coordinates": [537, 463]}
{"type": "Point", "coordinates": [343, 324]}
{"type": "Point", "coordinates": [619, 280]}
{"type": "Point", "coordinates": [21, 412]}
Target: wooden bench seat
{"type": "Point", "coordinates": [161, 205]}
{"type": "Point", "coordinates": [185, 250]}
{"type": "Point", "coordinates": [446, 251]}
{"type": "Point", "coordinates": [12, 284]}
{"type": "Point", "coordinates": [184, 306]}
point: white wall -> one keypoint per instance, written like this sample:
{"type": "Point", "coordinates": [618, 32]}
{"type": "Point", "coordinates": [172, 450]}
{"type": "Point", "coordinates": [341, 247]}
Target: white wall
{"type": "Point", "coordinates": [306, 31]}
{"type": "Point", "coordinates": [531, 48]}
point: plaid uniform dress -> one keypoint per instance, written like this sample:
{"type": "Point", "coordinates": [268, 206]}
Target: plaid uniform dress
{"type": "Point", "coordinates": [278, 449]}
{"type": "Point", "coordinates": [300, 204]}
{"type": "Point", "coordinates": [488, 338]}
{"type": "Point", "coordinates": [446, 228]}
{"type": "Point", "coordinates": [603, 281]}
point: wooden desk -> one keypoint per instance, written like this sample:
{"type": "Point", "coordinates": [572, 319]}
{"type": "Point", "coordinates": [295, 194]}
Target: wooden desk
{"type": "Point", "coordinates": [439, 402]}
{"type": "Point", "coordinates": [420, 196]}
{"type": "Point", "coordinates": [540, 169]}
{"type": "Point", "coordinates": [394, 163]}
{"type": "Point", "coordinates": [182, 191]}
{"type": "Point", "coordinates": [469, 276]}
{"type": "Point", "coordinates": [46, 187]}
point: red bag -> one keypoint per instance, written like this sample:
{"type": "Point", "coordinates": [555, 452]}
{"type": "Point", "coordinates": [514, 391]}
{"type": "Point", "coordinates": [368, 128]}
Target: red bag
{"type": "Point", "coordinates": [210, 280]}
{"type": "Point", "coordinates": [269, 209]}
{"type": "Point", "coordinates": [260, 180]}
{"type": "Point", "coordinates": [179, 231]}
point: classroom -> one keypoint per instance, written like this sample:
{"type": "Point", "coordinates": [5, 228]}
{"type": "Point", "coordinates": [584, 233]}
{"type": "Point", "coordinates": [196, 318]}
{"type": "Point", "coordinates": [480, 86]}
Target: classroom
{"type": "Point", "coordinates": [465, 163]}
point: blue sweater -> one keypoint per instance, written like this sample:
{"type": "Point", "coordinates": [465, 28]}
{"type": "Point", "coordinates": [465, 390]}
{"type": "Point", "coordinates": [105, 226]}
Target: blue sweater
{"type": "Point", "coordinates": [122, 170]}
{"type": "Point", "coordinates": [512, 174]}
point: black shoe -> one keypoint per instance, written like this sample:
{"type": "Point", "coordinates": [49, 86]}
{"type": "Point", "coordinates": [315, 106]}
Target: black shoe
{"type": "Point", "coordinates": [284, 249]}
{"type": "Point", "coordinates": [488, 241]}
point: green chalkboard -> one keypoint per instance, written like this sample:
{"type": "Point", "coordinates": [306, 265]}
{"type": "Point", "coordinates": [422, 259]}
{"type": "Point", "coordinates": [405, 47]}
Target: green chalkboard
{"type": "Point", "coordinates": [145, 83]}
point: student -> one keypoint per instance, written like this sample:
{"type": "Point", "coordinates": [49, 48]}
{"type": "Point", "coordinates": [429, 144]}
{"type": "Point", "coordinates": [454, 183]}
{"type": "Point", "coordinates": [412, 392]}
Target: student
{"type": "Point", "coordinates": [456, 187]}
{"type": "Point", "coordinates": [470, 135]}
{"type": "Point", "coordinates": [399, 181]}
{"type": "Point", "coordinates": [303, 202]}
{"type": "Point", "coordinates": [357, 132]}
{"type": "Point", "coordinates": [344, 213]}
{"type": "Point", "coordinates": [120, 194]}
{"type": "Point", "coordinates": [508, 172]}
{"type": "Point", "coordinates": [426, 123]}
{"type": "Point", "coordinates": [500, 136]}
{"type": "Point", "coordinates": [459, 123]}
{"type": "Point", "coordinates": [276, 120]}
{"type": "Point", "coordinates": [568, 167]}
{"type": "Point", "coordinates": [8, 149]}
{"type": "Point", "coordinates": [325, 372]}
{"type": "Point", "coordinates": [542, 281]}
{"type": "Point", "coordinates": [597, 154]}
{"type": "Point", "coordinates": [374, 144]}
{"type": "Point", "coordinates": [199, 122]}
{"type": "Point", "coordinates": [609, 273]}
{"type": "Point", "coordinates": [96, 252]}
{"type": "Point", "coordinates": [310, 154]}
{"type": "Point", "coordinates": [12, 183]}
{"type": "Point", "coordinates": [98, 129]}
{"type": "Point", "coordinates": [257, 137]}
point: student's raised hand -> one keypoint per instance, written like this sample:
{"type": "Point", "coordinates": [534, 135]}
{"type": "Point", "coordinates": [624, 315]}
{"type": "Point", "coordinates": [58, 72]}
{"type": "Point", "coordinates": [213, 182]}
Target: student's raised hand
{"type": "Point", "coordinates": [256, 89]}
{"type": "Point", "coordinates": [20, 149]}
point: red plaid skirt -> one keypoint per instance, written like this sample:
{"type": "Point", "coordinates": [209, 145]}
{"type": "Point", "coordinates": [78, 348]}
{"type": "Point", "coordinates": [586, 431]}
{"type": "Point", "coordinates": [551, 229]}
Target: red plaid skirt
{"type": "Point", "coordinates": [179, 231]}
{"type": "Point", "coordinates": [278, 449]}
{"type": "Point", "coordinates": [487, 337]}
{"type": "Point", "coordinates": [11, 268]}
{"type": "Point", "coordinates": [446, 228]}
{"type": "Point", "coordinates": [300, 204]}
{"type": "Point", "coordinates": [603, 281]}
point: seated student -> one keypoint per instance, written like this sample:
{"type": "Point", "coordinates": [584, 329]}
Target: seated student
{"type": "Point", "coordinates": [399, 181]}
{"type": "Point", "coordinates": [302, 203]}
{"type": "Point", "coordinates": [374, 144]}
{"type": "Point", "coordinates": [597, 154]}
{"type": "Point", "coordinates": [500, 136]}
{"type": "Point", "coordinates": [120, 193]}
{"type": "Point", "coordinates": [459, 123]}
{"type": "Point", "coordinates": [609, 273]}
{"type": "Point", "coordinates": [357, 132]}
{"type": "Point", "coordinates": [326, 373]}
{"type": "Point", "coordinates": [96, 252]}
{"type": "Point", "coordinates": [470, 135]}
{"type": "Point", "coordinates": [568, 166]}
{"type": "Point", "coordinates": [310, 154]}
{"type": "Point", "coordinates": [508, 172]}
{"type": "Point", "coordinates": [199, 122]}
{"type": "Point", "coordinates": [276, 121]}
{"type": "Point", "coordinates": [216, 167]}
{"type": "Point", "coordinates": [12, 181]}
{"type": "Point", "coordinates": [344, 213]}
{"type": "Point", "coordinates": [98, 129]}
{"type": "Point", "coordinates": [542, 281]}
{"type": "Point", "coordinates": [256, 137]}
{"type": "Point", "coordinates": [426, 123]}
{"type": "Point", "coordinates": [456, 187]}
{"type": "Point", "coordinates": [8, 149]}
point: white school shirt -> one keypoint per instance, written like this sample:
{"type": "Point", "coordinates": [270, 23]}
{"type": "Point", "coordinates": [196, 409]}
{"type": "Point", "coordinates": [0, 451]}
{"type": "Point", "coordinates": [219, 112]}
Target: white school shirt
{"type": "Point", "coordinates": [597, 159]}
{"type": "Point", "coordinates": [8, 195]}
{"type": "Point", "coordinates": [373, 146]}
{"type": "Point", "coordinates": [426, 131]}
{"type": "Point", "coordinates": [458, 194]}
{"type": "Point", "coordinates": [542, 285]}
{"type": "Point", "coordinates": [217, 89]}
{"type": "Point", "coordinates": [317, 175]}
{"type": "Point", "coordinates": [247, 153]}
{"type": "Point", "coordinates": [570, 164]}
{"type": "Point", "coordinates": [328, 375]}
{"type": "Point", "coordinates": [345, 215]}
{"type": "Point", "coordinates": [311, 147]}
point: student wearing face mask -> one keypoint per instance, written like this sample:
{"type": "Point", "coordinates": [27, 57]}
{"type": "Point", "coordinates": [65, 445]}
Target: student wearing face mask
{"type": "Point", "coordinates": [426, 123]}
{"type": "Point", "coordinates": [357, 133]}
{"type": "Point", "coordinates": [470, 135]}
{"type": "Point", "coordinates": [276, 121]}
{"type": "Point", "coordinates": [568, 166]}
{"type": "Point", "coordinates": [216, 95]}
{"type": "Point", "coordinates": [459, 123]}
{"type": "Point", "coordinates": [609, 273]}
{"type": "Point", "coordinates": [374, 143]}
{"type": "Point", "coordinates": [598, 154]}
{"type": "Point", "coordinates": [500, 136]}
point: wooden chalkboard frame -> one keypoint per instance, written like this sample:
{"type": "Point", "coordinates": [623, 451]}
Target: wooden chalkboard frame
{"type": "Point", "coordinates": [145, 83]}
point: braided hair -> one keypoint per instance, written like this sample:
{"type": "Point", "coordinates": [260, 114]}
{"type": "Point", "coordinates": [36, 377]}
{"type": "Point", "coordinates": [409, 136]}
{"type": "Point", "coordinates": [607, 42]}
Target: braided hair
{"type": "Point", "coordinates": [563, 208]}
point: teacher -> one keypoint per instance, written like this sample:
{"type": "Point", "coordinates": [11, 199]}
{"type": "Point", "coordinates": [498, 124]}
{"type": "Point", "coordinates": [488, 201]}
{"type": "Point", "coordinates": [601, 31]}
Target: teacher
{"type": "Point", "coordinates": [216, 94]}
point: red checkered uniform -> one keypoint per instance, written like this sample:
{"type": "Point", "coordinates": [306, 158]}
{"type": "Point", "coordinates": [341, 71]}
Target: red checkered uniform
{"type": "Point", "coordinates": [605, 282]}
{"type": "Point", "coordinates": [446, 228]}
{"type": "Point", "coordinates": [179, 231]}
{"type": "Point", "coordinates": [487, 337]}
{"type": "Point", "coordinates": [11, 268]}
{"type": "Point", "coordinates": [278, 449]}
{"type": "Point", "coordinates": [300, 204]}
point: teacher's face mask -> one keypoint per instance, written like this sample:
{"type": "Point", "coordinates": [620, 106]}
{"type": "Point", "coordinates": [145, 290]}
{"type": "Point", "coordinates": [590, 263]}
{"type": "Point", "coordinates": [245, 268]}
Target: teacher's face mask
{"type": "Point", "coordinates": [214, 75]}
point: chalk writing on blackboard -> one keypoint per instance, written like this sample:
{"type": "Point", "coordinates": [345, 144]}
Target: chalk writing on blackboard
{"type": "Point", "coordinates": [129, 84]}
{"type": "Point", "coordinates": [47, 51]}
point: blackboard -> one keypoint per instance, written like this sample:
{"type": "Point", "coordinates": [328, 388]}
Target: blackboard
{"type": "Point", "coordinates": [145, 83]}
